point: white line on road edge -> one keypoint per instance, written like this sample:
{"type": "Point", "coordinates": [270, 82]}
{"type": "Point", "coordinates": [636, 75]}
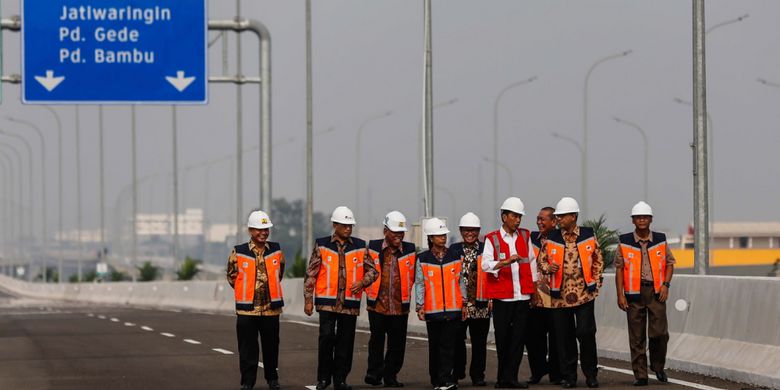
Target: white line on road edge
{"type": "Point", "coordinates": [129, 324]}
{"type": "Point", "coordinates": [222, 351]}
{"type": "Point", "coordinates": [114, 319]}
{"type": "Point", "coordinates": [191, 341]}
{"type": "Point", "coordinates": [146, 328]}
{"type": "Point", "coordinates": [102, 317]}
{"type": "Point", "coordinates": [619, 370]}
{"type": "Point", "coordinates": [168, 334]}
{"type": "Point", "coordinates": [675, 381]}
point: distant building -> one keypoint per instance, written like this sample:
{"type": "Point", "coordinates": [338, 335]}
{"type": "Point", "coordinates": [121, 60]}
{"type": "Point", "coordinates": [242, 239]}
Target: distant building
{"type": "Point", "coordinates": [740, 235]}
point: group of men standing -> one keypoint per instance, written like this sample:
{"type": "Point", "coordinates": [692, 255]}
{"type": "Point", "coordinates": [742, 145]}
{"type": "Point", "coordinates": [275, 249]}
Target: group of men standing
{"type": "Point", "coordinates": [538, 287]}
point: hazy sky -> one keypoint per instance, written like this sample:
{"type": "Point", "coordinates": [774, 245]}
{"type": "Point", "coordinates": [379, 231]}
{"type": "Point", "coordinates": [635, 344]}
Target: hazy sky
{"type": "Point", "coordinates": [368, 59]}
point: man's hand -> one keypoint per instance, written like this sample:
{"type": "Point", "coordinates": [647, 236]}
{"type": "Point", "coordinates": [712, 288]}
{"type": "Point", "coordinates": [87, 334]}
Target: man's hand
{"type": "Point", "coordinates": [357, 287]}
{"type": "Point", "coordinates": [554, 267]}
{"type": "Point", "coordinates": [421, 314]}
{"type": "Point", "coordinates": [663, 295]}
{"type": "Point", "coordinates": [622, 302]}
{"type": "Point", "coordinates": [308, 308]}
{"type": "Point", "coordinates": [490, 306]}
{"type": "Point", "coordinates": [535, 299]}
{"type": "Point", "coordinates": [464, 313]}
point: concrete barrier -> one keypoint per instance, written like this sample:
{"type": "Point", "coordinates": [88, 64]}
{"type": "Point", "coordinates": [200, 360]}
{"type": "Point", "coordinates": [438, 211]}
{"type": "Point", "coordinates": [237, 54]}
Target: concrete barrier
{"type": "Point", "coordinates": [729, 328]}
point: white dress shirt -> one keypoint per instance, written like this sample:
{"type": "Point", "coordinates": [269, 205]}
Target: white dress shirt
{"type": "Point", "coordinates": [489, 263]}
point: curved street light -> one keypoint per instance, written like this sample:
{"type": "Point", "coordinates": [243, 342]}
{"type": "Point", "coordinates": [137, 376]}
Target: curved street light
{"type": "Point", "coordinates": [59, 187]}
{"type": "Point", "coordinates": [506, 169]}
{"type": "Point", "coordinates": [584, 164]}
{"type": "Point", "coordinates": [646, 145]}
{"type": "Point", "coordinates": [29, 181]}
{"type": "Point", "coordinates": [357, 154]}
{"type": "Point", "coordinates": [421, 153]}
{"type": "Point", "coordinates": [727, 22]}
{"type": "Point", "coordinates": [495, 131]}
{"type": "Point", "coordinates": [579, 148]}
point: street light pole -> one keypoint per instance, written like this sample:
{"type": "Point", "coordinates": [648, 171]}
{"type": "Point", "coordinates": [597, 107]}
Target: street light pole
{"type": "Point", "coordinates": [102, 186]}
{"type": "Point", "coordinates": [30, 186]}
{"type": "Point", "coordinates": [134, 152]}
{"type": "Point", "coordinates": [174, 130]}
{"type": "Point", "coordinates": [700, 198]}
{"type": "Point", "coordinates": [59, 185]}
{"type": "Point", "coordinates": [421, 152]}
{"type": "Point", "coordinates": [357, 154]}
{"type": "Point", "coordinates": [44, 238]}
{"type": "Point", "coordinates": [505, 168]}
{"type": "Point", "coordinates": [584, 164]}
{"type": "Point", "coordinates": [427, 108]}
{"type": "Point", "coordinates": [78, 194]}
{"type": "Point", "coordinates": [495, 132]}
{"type": "Point", "coordinates": [644, 139]}
{"type": "Point", "coordinates": [309, 234]}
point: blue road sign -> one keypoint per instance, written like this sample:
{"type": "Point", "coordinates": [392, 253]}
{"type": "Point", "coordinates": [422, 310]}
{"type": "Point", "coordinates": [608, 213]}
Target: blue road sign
{"type": "Point", "coordinates": [114, 51]}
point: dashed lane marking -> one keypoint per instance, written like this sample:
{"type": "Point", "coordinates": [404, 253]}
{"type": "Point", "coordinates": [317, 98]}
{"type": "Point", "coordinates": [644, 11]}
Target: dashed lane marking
{"type": "Point", "coordinates": [102, 317]}
{"type": "Point", "coordinates": [114, 319]}
{"type": "Point", "coordinates": [129, 324]}
{"type": "Point", "coordinates": [222, 351]}
{"type": "Point", "coordinates": [146, 328]}
{"type": "Point", "coordinates": [166, 334]}
{"type": "Point", "coordinates": [191, 341]}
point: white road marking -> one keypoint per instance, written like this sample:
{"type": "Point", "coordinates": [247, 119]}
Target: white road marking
{"type": "Point", "coordinates": [260, 364]}
{"type": "Point", "coordinates": [90, 315]}
{"type": "Point", "coordinates": [312, 387]}
{"type": "Point", "coordinates": [168, 334]}
{"type": "Point", "coordinates": [129, 324]}
{"type": "Point", "coordinates": [222, 351]}
{"type": "Point", "coordinates": [102, 317]}
{"type": "Point", "coordinates": [613, 369]}
{"type": "Point", "coordinates": [114, 319]}
{"type": "Point", "coordinates": [146, 328]}
{"type": "Point", "coordinates": [191, 341]}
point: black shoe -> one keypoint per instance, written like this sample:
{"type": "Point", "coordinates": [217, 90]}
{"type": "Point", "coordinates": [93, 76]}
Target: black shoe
{"type": "Point", "coordinates": [448, 386]}
{"type": "Point", "coordinates": [273, 384]}
{"type": "Point", "coordinates": [661, 376]}
{"type": "Point", "coordinates": [556, 381]}
{"type": "Point", "coordinates": [393, 383]}
{"type": "Point", "coordinates": [342, 386]}
{"type": "Point", "coordinates": [534, 380]}
{"type": "Point", "coordinates": [372, 380]}
{"type": "Point", "coordinates": [478, 383]}
{"type": "Point", "coordinates": [460, 376]}
{"type": "Point", "coordinates": [518, 385]}
{"type": "Point", "coordinates": [322, 385]}
{"type": "Point", "coordinates": [640, 382]}
{"type": "Point", "coordinates": [569, 384]}
{"type": "Point", "coordinates": [592, 382]}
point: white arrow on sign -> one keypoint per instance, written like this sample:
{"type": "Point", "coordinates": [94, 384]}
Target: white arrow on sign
{"type": "Point", "coordinates": [180, 82]}
{"type": "Point", "coordinates": [50, 82]}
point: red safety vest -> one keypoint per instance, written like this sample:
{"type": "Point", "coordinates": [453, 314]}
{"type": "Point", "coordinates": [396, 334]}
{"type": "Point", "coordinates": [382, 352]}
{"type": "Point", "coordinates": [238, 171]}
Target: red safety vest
{"type": "Point", "coordinates": [632, 263]}
{"type": "Point", "coordinates": [502, 287]}
{"type": "Point", "coordinates": [244, 286]}
{"type": "Point", "coordinates": [443, 300]}
{"type": "Point", "coordinates": [406, 264]}
{"type": "Point", "coordinates": [556, 247]}
{"type": "Point", "coordinates": [327, 286]}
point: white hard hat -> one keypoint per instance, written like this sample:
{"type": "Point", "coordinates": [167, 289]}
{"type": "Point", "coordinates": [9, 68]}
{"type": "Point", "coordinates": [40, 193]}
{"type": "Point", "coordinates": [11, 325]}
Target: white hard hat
{"type": "Point", "coordinates": [395, 221]}
{"type": "Point", "coordinates": [435, 227]}
{"type": "Point", "coordinates": [641, 208]}
{"type": "Point", "coordinates": [513, 204]}
{"type": "Point", "coordinates": [343, 215]}
{"type": "Point", "coordinates": [469, 220]}
{"type": "Point", "coordinates": [567, 205]}
{"type": "Point", "coordinates": [259, 220]}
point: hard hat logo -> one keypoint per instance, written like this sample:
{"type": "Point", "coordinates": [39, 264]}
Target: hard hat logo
{"type": "Point", "coordinates": [401, 224]}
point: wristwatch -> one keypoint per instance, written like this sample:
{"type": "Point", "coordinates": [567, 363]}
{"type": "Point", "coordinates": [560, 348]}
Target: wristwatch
{"type": "Point", "coordinates": [667, 284]}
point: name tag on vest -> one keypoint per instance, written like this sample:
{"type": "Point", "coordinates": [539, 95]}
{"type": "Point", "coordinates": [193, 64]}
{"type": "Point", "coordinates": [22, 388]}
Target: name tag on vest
{"type": "Point", "coordinates": [502, 256]}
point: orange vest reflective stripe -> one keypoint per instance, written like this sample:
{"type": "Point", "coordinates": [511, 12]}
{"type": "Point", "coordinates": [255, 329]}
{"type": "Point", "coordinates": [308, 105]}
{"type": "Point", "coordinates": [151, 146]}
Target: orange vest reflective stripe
{"type": "Point", "coordinates": [502, 287]}
{"type": "Point", "coordinates": [443, 300]}
{"type": "Point", "coordinates": [327, 285]}
{"type": "Point", "coordinates": [536, 243]}
{"type": "Point", "coordinates": [405, 268]}
{"type": "Point", "coordinates": [480, 298]}
{"type": "Point", "coordinates": [556, 248]}
{"type": "Point", "coordinates": [632, 263]}
{"type": "Point", "coordinates": [244, 286]}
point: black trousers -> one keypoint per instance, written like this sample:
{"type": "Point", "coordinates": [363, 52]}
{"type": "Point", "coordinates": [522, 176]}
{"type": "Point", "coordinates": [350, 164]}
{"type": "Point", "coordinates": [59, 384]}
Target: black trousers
{"type": "Point", "coordinates": [509, 323]}
{"type": "Point", "coordinates": [381, 364]}
{"type": "Point", "coordinates": [442, 338]}
{"type": "Point", "coordinates": [573, 324]}
{"type": "Point", "coordinates": [247, 328]}
{"type": "Point", "coordinates": [336, 341]}
{"type": "Point", "coordinates": [478, 331]}
{"type": "Point", "coordinates": [541, 345]}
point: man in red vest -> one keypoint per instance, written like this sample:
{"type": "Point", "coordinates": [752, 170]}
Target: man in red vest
{"type": "Point", "coordinates": [643, 273]}
{"type": "Point", "coordinates": [255, 271]}
{"type": "Point", "coordinates": [509, 259]}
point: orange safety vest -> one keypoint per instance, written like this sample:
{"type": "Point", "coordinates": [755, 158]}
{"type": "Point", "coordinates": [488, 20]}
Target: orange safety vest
{"type": "Point", "coordinates": [244, 286]}
{"type": "Point", "coordinates": [441, 281]}
{"type": "Point", "coordinates": [405, 268]}
{"type": "Point", "coordinates": [556, 247]}
{"type": "Point", "coordinates": [481, 298]}
{"type": "Point", "coordinates": [632, 263]}
{"type": "Point", "coordinates": [536, 243]}
{"type": "Point", "coordinates": [327, 287]}
{"type": "Point", "coordinates": [502, 287]}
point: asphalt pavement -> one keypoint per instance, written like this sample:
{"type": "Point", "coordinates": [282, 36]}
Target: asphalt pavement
{"type": "Point", "coordinates": [65, 345]}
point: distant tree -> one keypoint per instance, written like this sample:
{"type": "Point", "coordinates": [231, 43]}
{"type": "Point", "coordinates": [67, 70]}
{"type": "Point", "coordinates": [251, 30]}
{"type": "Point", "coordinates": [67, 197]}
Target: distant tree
{"type": "Point", "coordinates": [148, 272]}
{"type": "Point", "coordinates": [775, 271]}
{"type": "Point", "coordinates": [51, 275]}
{"type": "Point", "coordinates": [607, 238]}
{"type": "Point", "coordinates": [117, 276]}
{"type": "Point", "coordinates": [189, 268]}
{"type": "Point", "coordinates": [287, 217]}
{"type": "Point", "coordinates": [297, 268]}
{"type": "Point", "coordinates": [88, 277]}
